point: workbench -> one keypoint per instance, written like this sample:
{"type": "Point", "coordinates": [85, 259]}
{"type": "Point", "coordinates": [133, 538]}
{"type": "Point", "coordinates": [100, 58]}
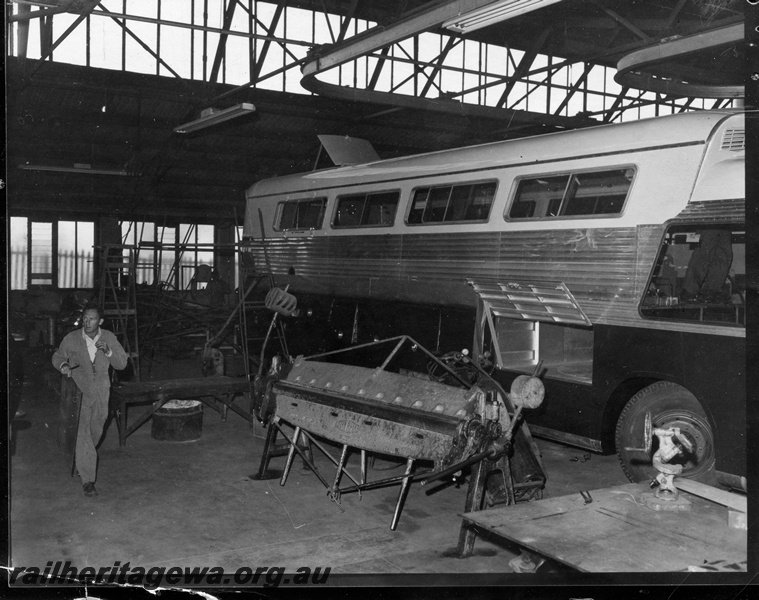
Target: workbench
{"type": "Point", "coordinates": [615, 532]}
{"type": "Point", "coordinates": [217, 391]}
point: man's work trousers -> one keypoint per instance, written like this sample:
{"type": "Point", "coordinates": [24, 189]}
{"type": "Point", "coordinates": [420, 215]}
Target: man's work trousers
{"type": "Point", "coordinates": [92, 419]}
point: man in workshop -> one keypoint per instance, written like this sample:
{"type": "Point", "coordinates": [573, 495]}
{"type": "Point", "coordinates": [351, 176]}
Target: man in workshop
{"type": "Point", "coordinates": [86, 355]}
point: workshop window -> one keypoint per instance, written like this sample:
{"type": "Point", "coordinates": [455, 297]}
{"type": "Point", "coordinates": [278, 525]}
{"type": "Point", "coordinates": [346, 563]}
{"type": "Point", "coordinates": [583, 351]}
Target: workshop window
{"type": "Point", "coordinates": [699, 275]}
{"type": "Point", "coordinates": [169, 255]}
{"type": "Point", "coordinates": [140, 237]}
{"type": "Point", "coordinates": [238, 242]}
{"type": "Point", "coordinates": [19, 248]}
{"type": "Point", "coordinates": [599, 193]}
{"type": "Point", "coordinates": [154, 251]}
{"type": "Point", "coordinates": [196, 255]}
{"type": "Point", "coordinates": [76, 241]}
{"type": "Point", "coordinates": [166, 238]}
{"type": "Point", "coordinates": [41, 253]}
{"type": "Point", "coordinates": [51, 253]}
{"type": "Point", "coordinates": [301, 214]}
{"type": "Point", "coordinates": [452, 204]}
{"type": "Point", "coordinates": [366, 210]}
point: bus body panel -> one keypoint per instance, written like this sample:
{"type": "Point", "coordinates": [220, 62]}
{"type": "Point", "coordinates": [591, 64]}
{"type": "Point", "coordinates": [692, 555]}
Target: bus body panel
{"type": "Point", "coordinates": [358, 284]}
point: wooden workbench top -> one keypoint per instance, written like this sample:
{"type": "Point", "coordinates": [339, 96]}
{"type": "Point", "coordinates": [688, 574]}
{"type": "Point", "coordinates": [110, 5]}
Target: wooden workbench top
{"type": "Point", "coordinates": [617, 533]}
{"type": "Point", "coordinates": [192, 387]}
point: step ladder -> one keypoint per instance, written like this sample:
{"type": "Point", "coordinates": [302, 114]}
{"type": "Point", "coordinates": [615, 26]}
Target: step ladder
{"type": "Point", "coordinates": [253, 285]}
{"type": "Point", "coordinates": [118, 298]}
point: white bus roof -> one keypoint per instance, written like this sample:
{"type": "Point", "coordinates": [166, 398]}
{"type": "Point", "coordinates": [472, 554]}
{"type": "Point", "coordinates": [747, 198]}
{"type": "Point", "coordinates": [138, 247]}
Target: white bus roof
{"type": "Point", "coordinates": [672, 130]}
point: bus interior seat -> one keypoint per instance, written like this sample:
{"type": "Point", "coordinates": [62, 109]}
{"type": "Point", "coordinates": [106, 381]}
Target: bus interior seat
{"type": "Point", "coordinates": [708, 268]}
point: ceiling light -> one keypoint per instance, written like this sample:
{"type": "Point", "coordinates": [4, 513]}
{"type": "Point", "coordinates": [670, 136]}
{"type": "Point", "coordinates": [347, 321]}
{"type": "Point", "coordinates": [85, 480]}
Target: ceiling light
{"type": "Point", "coordinates": [494, 13]}
{"type": "Point", "coordinates": [212, 116]}
{"type": "Point", "coordinates": [77, 168]}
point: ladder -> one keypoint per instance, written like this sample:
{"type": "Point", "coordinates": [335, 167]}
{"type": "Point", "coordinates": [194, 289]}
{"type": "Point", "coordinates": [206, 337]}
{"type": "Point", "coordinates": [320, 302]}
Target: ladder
{"type": "Point", "coordinates": [254, 282]}
{"type": "Point", "coordinates": [118, 298]}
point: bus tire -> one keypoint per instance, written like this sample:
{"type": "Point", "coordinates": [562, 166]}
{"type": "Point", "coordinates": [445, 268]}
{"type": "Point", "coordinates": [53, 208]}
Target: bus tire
{"type": "Point", "coordinates": [670, 405]}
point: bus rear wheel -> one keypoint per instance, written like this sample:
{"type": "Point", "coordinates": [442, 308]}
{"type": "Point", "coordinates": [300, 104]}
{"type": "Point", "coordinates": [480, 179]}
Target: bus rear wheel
{"type": "Point", "coordinates": [670, 405]}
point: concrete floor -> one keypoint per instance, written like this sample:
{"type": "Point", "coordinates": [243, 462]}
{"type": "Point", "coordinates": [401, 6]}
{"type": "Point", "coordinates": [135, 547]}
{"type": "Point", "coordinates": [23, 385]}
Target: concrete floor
{"type": "Point", "coordinates": [196, 503]}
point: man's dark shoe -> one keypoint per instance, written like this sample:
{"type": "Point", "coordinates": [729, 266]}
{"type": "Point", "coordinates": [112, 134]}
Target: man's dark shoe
{"type": "Point", "coordinates": [89, 489]}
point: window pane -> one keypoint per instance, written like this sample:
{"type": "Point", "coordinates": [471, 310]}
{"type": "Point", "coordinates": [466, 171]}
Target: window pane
{"type": "Point", "coordinates": [19, 252]}
{"type": "Point", "coordinates": [453, 204]}
{"type": "Point", "coordinates": [349, 210]}
{"type": "Point", "coordinates": [539, 197]}
{"type": "Point", "coordinates": [205, 236]}
{"type": "Point", "coordinates": [67, 254]}
{"type": "Point", "coordinates": [461, 198]}
{"type": "Point", "coordinates": [238, 238]}
{"type": "Point", "coordinates": [700, 275]}
{"type": "Point", "coordinates": [598, 193]}
{"type": "Point", "coordinates": [76, 241]}
{"type": "Point", "coordinates": [42, 254]}
{"type": "Point", "coordinates": [144, 257]}
{"type": "Point", "coordinates": [418, 204]}
{"type": "Point", "coordinates": [471, 202]}
{"type": "Point", "coordinates": [287, 213]}
{"type": "Point", "coordinates": [85, 254]}
{"type": "Point", "coordinates": [310, 214]}
{"type": "Point", "coordinates": [437, 204]}
{"type": "Point", "coordinates": [127, 232]}
{"type": "Point", "coordinates": [301, 214]}
{"type": "Point", "coordinates": [167, 235]}
{"type": "Point", "coordinates": [380, 209]}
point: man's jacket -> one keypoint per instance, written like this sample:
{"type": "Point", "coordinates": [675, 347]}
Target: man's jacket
{"type": "Point", "coordinates": [91, 377]}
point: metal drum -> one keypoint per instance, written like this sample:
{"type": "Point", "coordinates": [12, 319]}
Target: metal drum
{"type": "Point", "coordinates": [178, 421]}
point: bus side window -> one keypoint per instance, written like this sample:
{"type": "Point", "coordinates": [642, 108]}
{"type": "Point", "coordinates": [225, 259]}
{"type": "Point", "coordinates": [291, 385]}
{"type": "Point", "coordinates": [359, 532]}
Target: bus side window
{"type": "Point", "coordinates": [538, 197]}
{"type": "Point", "coordinates": [349, 210]}
{"type": "Point", "coordinates": [418, 204]}
{"type": "Point", "coordinates": [481, 199]}
{"type": "Point", "coordinates": [580, 194]}
{"type": "Point", "coordinates": [301, 214]}
{"type": "Point", "coordinates": [699, 275]}
{"type": "Point", "coordinates": [287, 215]}
{"type": "Point", "coordinates": [380, 209]}
{"type": "Point", "coordinates": [437, 205]}
{"type": "Point", "coordinates": [310, 214]}
{"type": "Point", "coordinates": [597, 193]}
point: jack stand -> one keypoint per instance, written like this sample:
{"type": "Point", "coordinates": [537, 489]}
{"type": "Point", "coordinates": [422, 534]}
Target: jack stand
{"type": "Point", "coordinates": [667, 497]}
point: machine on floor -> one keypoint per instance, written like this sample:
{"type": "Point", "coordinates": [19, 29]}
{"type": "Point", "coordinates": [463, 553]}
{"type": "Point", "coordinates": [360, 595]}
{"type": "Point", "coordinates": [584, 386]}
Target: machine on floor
{"type": "Point", "coordinates": [446, 419]}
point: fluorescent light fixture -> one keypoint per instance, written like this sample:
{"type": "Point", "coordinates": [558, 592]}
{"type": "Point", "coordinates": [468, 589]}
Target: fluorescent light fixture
{"type": "Point", "coordinates": [494, 13]}
{"type": "Point", "coordinates": [211, 116]}
{"type": "Point", "coordinates": [77, 168]}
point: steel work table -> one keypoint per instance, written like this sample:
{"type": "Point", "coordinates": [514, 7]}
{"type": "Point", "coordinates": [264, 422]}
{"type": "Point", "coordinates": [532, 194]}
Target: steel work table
{"type": "Point", "coordinates": [615, 533]}
{"type": "Point", "coordinates": [217, 391]}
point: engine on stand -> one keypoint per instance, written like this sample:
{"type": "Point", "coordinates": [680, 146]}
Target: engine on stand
{"type": "Point", "coordinates": [453, 425]}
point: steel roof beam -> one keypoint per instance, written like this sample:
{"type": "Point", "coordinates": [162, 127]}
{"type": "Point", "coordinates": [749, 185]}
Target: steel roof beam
{"type": "Point", "coordinates": [527, 59]}
{"type": "Point", "coordinates": [49, 51]}
{"type": "Point", "coordinates": [221, 49]}
{"type": "Point", "coordinates": [381, 60]}
{"type": "Point", "coordinates": [438, 65]}
{"type": "Point", "coordinates": [147, 48]}
{"type": "Point", "coordinates": [347, 21]}
{"type": "Point", "coordinates": [626, 24]}
{"type": "Point", "coordinates": [581, 80]}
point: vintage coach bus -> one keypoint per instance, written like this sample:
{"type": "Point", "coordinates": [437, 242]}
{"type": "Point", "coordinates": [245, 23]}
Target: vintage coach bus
{"type": "Point", "coordinates": [613, 257]}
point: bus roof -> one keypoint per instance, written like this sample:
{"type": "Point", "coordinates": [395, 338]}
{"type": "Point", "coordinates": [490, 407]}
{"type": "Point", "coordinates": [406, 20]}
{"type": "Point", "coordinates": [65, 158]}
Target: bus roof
{"type": "Point", "coordinates": [672, 130]}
